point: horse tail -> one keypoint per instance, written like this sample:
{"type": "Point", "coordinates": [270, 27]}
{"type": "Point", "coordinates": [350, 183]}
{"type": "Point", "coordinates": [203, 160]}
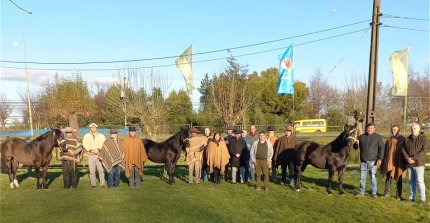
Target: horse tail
{"type": "Point", "coordinates": [3, 165]}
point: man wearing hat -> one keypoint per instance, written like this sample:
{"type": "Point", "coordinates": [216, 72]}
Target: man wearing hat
{"type": "Point", "coordinates": [135, 157]}
{"type": "Point", "coordinates": [229, 134]}
{"type": "Point", "coordinates": [112, 156]}
{"type": "Point", "coordinates": [273, 139]}
{"type": "Point", "coordinates": [236, 146]}
{"type": "Point", "coordinates": [284, 154]}
{"type": "Point", "coordinates": [193, 156]}
{"type": "Point", "coordinates": [68, 159]}
{"type": "Point", "coordinates": [93, 143]}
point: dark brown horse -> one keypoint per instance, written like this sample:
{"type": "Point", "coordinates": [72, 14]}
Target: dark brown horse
{"type": "Point", "coordinates": [168, 151]}
{"type": "Point", "coordinates": [37, 152]}
{"type": "Point", "coordinates": [333, 156]}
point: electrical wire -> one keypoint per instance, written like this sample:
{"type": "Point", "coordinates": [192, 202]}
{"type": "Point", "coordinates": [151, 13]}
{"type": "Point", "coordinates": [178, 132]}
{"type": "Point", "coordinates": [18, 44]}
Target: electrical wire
{"type": "Point", "coordinates": [194, 54]}
{"type": "Point", "coordinates": [194, 62]}
{"type": "Point", "coordinates": [405, 28]}
{"type": "Point", "coordinates": [403, 17]}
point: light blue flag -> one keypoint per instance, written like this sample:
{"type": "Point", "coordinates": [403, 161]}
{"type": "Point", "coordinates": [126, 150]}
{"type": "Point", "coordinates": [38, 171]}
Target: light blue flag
{"type": "Point", "coordinates": [286, 72]}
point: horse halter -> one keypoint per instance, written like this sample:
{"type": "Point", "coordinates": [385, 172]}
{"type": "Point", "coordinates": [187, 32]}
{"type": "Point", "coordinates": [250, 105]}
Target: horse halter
{"type": "Point", "coordinates": [352, 137]}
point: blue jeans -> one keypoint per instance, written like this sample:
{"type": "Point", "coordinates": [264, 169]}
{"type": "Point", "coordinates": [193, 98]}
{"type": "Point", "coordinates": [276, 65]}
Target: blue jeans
{"type": "Point", "coordinates": [113, 176]}
{"type": "Point", "coordinates": [134, 180]}
{"type": "Point", "coordinates": [368, 166]}
{"type": "Point", "coordinates": [416, 178]}
{"type": "Point", "coordinates": [251, 171]}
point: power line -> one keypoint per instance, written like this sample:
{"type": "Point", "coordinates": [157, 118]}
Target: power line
{"type": "Point", "coordinates": [406, 28]}
{"type": "Point", "coordinates": [194, 62]}
{"type": "Point", "coordinates": [403, 17]}
{"type": "Point", "coordinates": [194, 54]}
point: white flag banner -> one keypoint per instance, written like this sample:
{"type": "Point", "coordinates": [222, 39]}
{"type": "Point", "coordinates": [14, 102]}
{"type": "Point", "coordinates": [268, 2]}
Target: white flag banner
{"type": "Point", "coordinates": [399, 66]}
{"type": "Point", "coordinates": [185, 64]}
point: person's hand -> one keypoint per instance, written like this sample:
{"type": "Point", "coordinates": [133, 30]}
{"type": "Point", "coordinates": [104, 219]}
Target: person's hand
{"type": "Point", "coordinates": [71, 152]}
{"type": "Point", "coordinates": [255, 163]}
{"type": "Point", "coordinates": [410, 161]}
{"type": "Point", "coordinates": [378, 163]}
{"type": "Point", "coordinates": [237, 155]}
{"type": "Point", "coordinates": [269, 163]}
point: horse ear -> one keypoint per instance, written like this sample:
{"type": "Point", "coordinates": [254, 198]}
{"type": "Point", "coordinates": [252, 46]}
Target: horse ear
{"type": "Point", "coordinates": [345, 126]}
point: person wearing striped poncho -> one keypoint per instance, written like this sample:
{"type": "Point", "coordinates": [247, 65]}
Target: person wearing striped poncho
{"type": "Point", "coordinates": [112, 157]}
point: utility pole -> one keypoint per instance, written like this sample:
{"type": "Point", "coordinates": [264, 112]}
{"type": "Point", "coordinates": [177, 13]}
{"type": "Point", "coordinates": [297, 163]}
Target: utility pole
{"type": "Point", "coordinates": [373, 63]}
{"type": "Point", "coordinates": [123, 96]}
{"type": "Point", "coordinates": [25, 63]}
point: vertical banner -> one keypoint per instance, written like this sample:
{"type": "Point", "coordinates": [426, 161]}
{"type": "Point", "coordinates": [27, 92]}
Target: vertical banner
{"type": "Point", "coordinates": [399, 66]}
{"type": "Point", "coordinates": [286, 72]}
{"type": "Point", "coordinates": [185, 64]}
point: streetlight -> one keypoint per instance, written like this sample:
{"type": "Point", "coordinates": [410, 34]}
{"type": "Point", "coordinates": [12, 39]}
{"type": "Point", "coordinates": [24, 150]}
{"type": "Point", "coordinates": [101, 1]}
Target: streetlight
{"type": "Point", "coordinates": [25, 62]}
{"type": "Point", "coordinates": [122, 96]}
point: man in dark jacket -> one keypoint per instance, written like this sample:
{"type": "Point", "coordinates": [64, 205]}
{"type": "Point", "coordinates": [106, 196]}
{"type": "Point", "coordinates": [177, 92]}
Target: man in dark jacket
{"type": "Point", "coordinates": [371, 153]}
{"type": "Point", "coordinates": [236, 145]}
{"type": "Point", "coordinates": [284, 154]}
{"type": "Point", "coordinates": [414, 151]}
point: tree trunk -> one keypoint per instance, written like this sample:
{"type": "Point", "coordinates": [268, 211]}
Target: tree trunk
{"type": "Point", "coordinates": [73, 122]}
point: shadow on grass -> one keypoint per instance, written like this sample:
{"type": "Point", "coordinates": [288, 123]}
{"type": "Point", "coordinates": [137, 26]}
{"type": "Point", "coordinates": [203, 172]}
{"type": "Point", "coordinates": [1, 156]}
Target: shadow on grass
{"type": "Point", "coordinates": [181, 173]}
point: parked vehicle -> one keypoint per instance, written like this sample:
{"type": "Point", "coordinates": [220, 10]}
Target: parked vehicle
{"type": "Point", "coordinates": [310, 125]}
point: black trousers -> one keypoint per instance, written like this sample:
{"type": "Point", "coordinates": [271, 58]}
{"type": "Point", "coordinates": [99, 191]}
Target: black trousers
{"type": "Point", "coordinates": [216, 175]}
{"type": "Point", "coordinates": [70, 174]}
{"type": "Point", "coordinates": [388, 185]}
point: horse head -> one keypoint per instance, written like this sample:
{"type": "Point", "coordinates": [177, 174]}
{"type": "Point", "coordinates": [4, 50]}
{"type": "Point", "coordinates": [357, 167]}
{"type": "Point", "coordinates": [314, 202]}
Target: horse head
{"type": "Point", "coordinates": [350, 134]}
{"type": "Point", "coordinates": [58, 139]}
{"type": "Point", "coordinates": [184, 135]}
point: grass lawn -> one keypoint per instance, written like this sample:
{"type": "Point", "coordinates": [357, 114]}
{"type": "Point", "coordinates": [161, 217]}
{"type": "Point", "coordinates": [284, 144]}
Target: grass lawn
{"type": "Point", "coordinates": [157, 201]}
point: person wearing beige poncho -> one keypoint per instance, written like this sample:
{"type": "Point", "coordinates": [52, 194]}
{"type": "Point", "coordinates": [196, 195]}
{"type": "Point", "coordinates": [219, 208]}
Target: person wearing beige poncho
{"type": "Point", "coordinates": [218, 157]}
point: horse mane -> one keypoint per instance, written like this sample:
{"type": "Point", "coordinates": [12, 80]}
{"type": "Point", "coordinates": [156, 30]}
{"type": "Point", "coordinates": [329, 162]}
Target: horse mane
{"type": "Point", "coordinates": [339, 143]}
{"type": "Point", "coordinates": [42, 137]}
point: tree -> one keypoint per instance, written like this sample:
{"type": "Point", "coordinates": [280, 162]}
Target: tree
{"type": "Point", "coordinates": [68, 98]}
{"type": "Point", "coordinates": [5, 110]}
{"type": "Point", "coordinates": [113, 112]}
{"type": "Point", "coordinates": [179, 108]}
{"type": "Point", "coordinates": [321, 95]}
{"type": "Point", "coordinates": [144, 100]}
{"type": "Point", "coordinates": [230, 93]}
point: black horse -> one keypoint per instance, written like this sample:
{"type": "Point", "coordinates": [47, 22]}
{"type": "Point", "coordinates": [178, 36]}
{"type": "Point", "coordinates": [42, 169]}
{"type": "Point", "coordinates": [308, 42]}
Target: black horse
{"type": "Point", "coordinates": [37, 152]}
{"type": "Point", "coordinates": [168, 151]}
{"type": "Point", "coordinates": [333, 156]}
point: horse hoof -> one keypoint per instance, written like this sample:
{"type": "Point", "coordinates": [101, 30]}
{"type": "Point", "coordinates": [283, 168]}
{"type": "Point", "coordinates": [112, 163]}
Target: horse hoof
{"type": "Point", "coordinates": [297, 190]}
{"type": "Point", "coordinates": [15, 182]}
{"type": "Point", "coordinates": [12, 186]}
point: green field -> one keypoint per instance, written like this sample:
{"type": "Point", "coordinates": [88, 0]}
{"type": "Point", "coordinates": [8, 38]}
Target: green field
{"type": "Point", "coordinates": [157, 201]}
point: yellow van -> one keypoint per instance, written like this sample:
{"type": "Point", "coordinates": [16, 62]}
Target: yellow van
{"type": "Point", "coordinates": [310, 125]}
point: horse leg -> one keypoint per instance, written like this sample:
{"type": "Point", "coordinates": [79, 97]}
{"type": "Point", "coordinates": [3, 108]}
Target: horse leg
{"type": "Point", "coordinates": [340, 173]}
{"type": "Point", "coordinates": [38, 184]}
{"type": "Point", "coordinates": [330, 179]}
{"type": "Point", "coordinates": [172, 172]}
{"type": "Point", "coordinates": [45, 177]}
{"type": "Point", "coordinates": [15, 166]}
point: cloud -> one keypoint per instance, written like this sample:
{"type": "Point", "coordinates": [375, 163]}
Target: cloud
{"type": "Point", "coordinates": [34, 76]}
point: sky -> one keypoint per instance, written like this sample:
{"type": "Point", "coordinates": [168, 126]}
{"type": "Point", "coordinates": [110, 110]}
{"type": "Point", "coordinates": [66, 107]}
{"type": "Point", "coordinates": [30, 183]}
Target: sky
{"type": "Point", "coordinates": [88, 31]}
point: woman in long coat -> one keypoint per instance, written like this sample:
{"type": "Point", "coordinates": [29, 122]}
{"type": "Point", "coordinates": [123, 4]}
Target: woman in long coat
{"type": "Point", "coordinates": [218, 157]}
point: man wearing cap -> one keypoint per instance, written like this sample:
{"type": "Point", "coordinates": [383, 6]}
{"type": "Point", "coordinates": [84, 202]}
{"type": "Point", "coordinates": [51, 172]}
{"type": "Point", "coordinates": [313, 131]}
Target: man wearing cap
{"type": "Point", "coordinates": [135, 156]}
{"type": "Point", "coordinates": [261, 155]}
{"type": "Point", "coordinates": [284, 155]}
{"type": "Point", "coordinates": [69, 158]}
{"type": "Point", "coordinates": [229, 134]}
{"type": "Point", "coordinates": [193, 156]}
{"type": "Point", "coordinates": [93, 142]}
{"type": "Point", "coordinates": [236, 145]}
{"type": "Point", "coordinates": [112, 156]}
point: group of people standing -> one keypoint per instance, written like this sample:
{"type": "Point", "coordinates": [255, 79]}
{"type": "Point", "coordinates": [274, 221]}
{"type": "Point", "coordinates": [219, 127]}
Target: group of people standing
{"type": "Point", "coordinates": [249, 155]}
{"type": "Point", "coordinates": [111, 154]}
{"type": "Point", "coordinates": [397, 156]}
